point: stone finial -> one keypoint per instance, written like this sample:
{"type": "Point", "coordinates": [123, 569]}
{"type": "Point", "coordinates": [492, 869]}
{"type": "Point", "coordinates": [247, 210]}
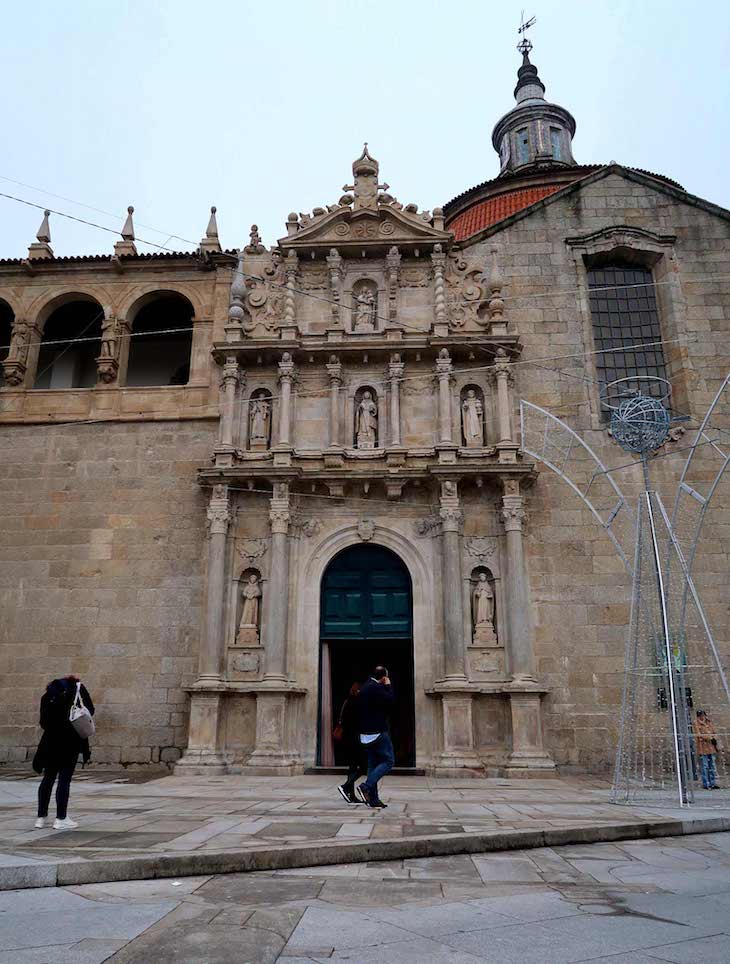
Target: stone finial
{"type": "Point", "coordinates": [496, 303]}
{"type": "Point", "coordinates": [211, 241]}
{"type": "Point", "coordinates": [438, 219]}
{"type": "Point", "coordinates": [236, 310]}
{"type": "Point", "coordinates": [127, 246]}
{"type": "Point", "coordinates": [41, 248]}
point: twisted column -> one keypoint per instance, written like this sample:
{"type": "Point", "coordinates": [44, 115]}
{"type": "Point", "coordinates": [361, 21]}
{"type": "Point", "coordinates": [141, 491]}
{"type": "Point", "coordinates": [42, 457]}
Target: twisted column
{"type": "Point", "coordinates": [438, 259]}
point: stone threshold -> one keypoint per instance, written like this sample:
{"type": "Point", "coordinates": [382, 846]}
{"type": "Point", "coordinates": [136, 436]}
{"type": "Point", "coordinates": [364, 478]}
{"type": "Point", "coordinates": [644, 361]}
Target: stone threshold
{"type": "Point", "coordinates": [74, 872]}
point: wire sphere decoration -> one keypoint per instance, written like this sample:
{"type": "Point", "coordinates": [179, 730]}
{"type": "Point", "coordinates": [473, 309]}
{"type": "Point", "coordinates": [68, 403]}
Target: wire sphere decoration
{"type": "Point", "coordinates": [640, 424]}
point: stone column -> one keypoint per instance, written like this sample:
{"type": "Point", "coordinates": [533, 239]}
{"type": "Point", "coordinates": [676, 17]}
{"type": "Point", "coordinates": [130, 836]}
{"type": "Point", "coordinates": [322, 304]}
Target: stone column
{"type": "Point", "coordinates": [286, 378]}
{"type": "Point", "coordinates": [275, 699]}
{"type": "Point", "coordinates": [289, 324]}
{"type": "Point", "coordinates": [334, 370]}
{"type": "Point", "coordinates": [213, 648]}
{"type": "Point", "coordinates": [229, 384]}
{"type": "Point", "coordinates": [451, 521]}
{"type": "Point", "coordinates": [503, 378]}
{"type": "Point", "coordinates": [528, 756]}
{"type": "Point", "coordinates": [441, 322]}
{"type": "Point", "coordinates": [395, 373]}
{"type": "Point", "coordinates": [443, 371]}
{"type": "Point", "coordinates": [274, 631]}
{"type": "Point", "coordinates": [203, 753]}
{"type": "Point", "coordinates": [521, 657]}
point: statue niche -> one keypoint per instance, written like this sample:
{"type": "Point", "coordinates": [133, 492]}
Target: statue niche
{"type": "Point", "coordinates": [250, 595]}
{"type": "Point", "coordinates": [259, 420]}
{"type": "Point", "coordinates": [483, 607]}
{"type": "Point", "coordinates": [366, 418]}
{"type": "Point", "coordinates": [364, 306]}
{"type": "Point", "coordinates": [472, 417]}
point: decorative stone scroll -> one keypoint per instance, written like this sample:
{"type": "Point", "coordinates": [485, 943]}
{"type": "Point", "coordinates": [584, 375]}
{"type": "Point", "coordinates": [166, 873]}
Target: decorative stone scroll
{"type": "Point", "coordinates": [266, 300]}
{"type": "Point", "coordinates": [480, 548]}
{"type": "Point", "coordinates": [466, 292]}
{"type": "Point", "coordinates": [252, 549]}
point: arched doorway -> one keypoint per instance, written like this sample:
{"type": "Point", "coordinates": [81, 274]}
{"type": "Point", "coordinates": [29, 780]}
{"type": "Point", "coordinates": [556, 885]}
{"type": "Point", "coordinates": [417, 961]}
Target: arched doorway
{"type": "Point", "coordinates": [366, 618]}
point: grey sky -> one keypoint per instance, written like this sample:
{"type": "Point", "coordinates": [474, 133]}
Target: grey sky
{"type": "Point", "coordinates": [174, 105]}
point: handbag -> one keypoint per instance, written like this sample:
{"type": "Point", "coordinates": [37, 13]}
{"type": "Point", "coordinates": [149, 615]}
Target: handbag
{"type": "Point", "coordinates": [80, 718]}
{"type": "Point", "coordinates": [338, 734]}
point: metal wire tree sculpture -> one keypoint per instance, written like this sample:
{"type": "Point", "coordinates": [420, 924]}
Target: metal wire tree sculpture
{"type": "Point", "coordinates": [676, 700]}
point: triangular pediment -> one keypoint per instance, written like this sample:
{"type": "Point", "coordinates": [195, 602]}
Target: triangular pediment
{"type": "Point", "coordinates": [385, 224]}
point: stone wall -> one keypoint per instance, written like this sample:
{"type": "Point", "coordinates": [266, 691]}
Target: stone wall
{"type": "Point", "coordinates": [102, 536]}
{"type": "Point", "coordinates": [580, 591]}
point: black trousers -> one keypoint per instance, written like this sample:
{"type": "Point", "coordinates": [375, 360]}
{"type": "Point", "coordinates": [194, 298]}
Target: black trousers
{"type": "Point", "coordinates": [356, 764]}
{"type": "Point", "coordinates": [64, 774]}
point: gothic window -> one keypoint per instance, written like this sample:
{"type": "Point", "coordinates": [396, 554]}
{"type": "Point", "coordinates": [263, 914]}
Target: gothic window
{"type": "Point", "coordinates": [70, 345]}
{"type": "Point", "coordinates": [624, 314]}
{"type": "Point", "coordinates": [523, 146]}
{"type": "Point", "coordinates": [160, 341]}
{"type": "Point", "coordinates": [6, 324]}
{"type": "Point", "coordinates": [555, 146]}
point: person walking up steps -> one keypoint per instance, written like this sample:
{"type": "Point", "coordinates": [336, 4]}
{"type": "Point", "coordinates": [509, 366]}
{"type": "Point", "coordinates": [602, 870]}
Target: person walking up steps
{"type": "Point", "coordinates": [59, 748]}
{"type": "Point", "coordinates": [375, 703]}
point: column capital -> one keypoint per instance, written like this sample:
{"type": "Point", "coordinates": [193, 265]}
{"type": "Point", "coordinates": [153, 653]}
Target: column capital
{"type": "Point", "coordinates": [286, 368]}
{"type": "Point", "coordinates": [279, 509]}
{"type": "Point", "coordinates": [502, 368]}
{"type": "Point", "coordinates": [452, 518]}
{"type": "Point", "coordinates": [219, 510]}
{"type": "Point", "coordinates": [438, 257]}
{"type": "Point", "coordinates": [334, 370]}
{"type": "Point", "coordinates": [396, 367]}
{"type": "Point", "coordinates": [444, 366]}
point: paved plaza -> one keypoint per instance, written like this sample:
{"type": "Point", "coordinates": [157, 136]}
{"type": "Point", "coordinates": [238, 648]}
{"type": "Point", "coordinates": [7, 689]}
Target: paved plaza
{"type": "Point", "coordinates": [139, 825]}
{"type": "Point", "coordinates": [626, 903]}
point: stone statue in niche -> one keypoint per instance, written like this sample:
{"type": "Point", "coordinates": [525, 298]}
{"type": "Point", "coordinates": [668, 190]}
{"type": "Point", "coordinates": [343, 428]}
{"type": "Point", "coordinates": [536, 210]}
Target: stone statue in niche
{"type": "Point", "coordinates": [366, 307]}
{"type": "Point", "coordinates": [248, 628]}
{"type": "Point", "coordinates": [259, 422]}
{"type": "Point", "coordinates": [483, 611]}
{"type": "Point", "coordinates": [472, 420]}
{"type": "Point", "coordinates": [366, 422]}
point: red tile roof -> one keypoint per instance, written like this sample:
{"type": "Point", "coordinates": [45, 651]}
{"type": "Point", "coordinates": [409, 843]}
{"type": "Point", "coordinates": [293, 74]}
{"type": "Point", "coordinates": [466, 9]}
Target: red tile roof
{"type": "Point", "coordinates": [496, 208]}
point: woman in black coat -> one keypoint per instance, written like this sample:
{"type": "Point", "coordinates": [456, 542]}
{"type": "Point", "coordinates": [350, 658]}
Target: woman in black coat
{"type": "Point", "coordinates": [356, 765]}
{"type": "Point", "coordinates": [59, 748]}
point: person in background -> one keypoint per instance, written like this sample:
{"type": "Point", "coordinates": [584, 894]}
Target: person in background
{"type": "Point", "coordinates": [706, 740]}
{"type": "Point", "coordinates": [374, 704]}
{"type": "Point", "coordinates": [59, 749]}
{"type": "Point", "coordinates": [349, 725]}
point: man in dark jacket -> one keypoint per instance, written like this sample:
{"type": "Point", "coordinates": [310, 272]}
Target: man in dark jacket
{"type": "Point", "coordinates": [59, 748]}
{"type": "Point", "coordinates": [374, 705]}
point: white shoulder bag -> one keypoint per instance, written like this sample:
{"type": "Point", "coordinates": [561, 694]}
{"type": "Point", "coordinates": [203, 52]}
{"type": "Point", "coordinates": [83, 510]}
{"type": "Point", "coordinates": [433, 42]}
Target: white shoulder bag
{"type": "Point", "coordinates": [80, 718]}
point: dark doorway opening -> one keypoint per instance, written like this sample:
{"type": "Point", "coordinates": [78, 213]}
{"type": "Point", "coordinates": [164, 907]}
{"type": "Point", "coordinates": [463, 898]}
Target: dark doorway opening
{"type": "Point", "coordinates": [366, 620]}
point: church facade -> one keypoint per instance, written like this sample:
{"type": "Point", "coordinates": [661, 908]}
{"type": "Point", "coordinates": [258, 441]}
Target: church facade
{"type": "Point", "coordinates": [235, 481]}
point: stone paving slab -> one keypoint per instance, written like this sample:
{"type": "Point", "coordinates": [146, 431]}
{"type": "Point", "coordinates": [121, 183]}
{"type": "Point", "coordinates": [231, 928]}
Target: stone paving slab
{"type": "Point", "coordinates": [196, 825]}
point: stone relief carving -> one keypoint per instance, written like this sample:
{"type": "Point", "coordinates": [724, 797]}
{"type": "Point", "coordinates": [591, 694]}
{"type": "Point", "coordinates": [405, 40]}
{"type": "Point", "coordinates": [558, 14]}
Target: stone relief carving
{"type": "Point", "coordinates": [266, 299]}
{"type": "Point", "coordinates": [251, 549]}
{"type": "Point", "coordinates": [428, 526]}
{"type": "Point", "coordinates": [17, 357]}
{"type": "Point", "coordinates": [244, 662]}
{"type": "Point", "coordinates": [466, 291]}
{"type": "Point", "coordinates": [314, 277]}
{"type": "Point", "coordinates": [248, 628]}
{"type": "Point", "coordinates": [366, 529]}
{"type": "Point", "coordinates": [480, 548]}
{"type": "Point", "coordinates": [416, 386]}
{"type": "Point", "coordinates": [412, 276]}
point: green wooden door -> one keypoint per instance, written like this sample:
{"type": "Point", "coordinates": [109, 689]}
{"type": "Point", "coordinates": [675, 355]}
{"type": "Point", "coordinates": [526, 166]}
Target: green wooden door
{"type": "Point", "coordinates": [366, 594]}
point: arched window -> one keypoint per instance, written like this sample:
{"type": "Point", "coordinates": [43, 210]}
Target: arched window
{"type": "Point", "coordinates": [70, 345]}
{"type": "Point", "coordinates": [624, 315]}
{"type": "Point", "coordinates": [6, 327]}
{"type": "Point", "coordinates": [160, 341]}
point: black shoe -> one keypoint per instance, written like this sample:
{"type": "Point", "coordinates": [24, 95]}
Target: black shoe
{"type": "Point", "coordinates": [715, 787]}
{"type": "Point", "coordinates": [378, 805]}
{"type": "Point", "coordinates": [347, 795]}
{"type": "Point", "coordinates": [362, 795]}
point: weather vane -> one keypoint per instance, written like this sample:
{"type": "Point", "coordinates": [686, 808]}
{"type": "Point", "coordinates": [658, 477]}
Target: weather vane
{"type": "Point", "coordinates": [525, 45]}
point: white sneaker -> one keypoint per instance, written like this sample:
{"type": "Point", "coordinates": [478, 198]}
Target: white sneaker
{"type": "Point", "coordinates": [67, 824]}
{"type": "Point", "coordinates": [40, 823]}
